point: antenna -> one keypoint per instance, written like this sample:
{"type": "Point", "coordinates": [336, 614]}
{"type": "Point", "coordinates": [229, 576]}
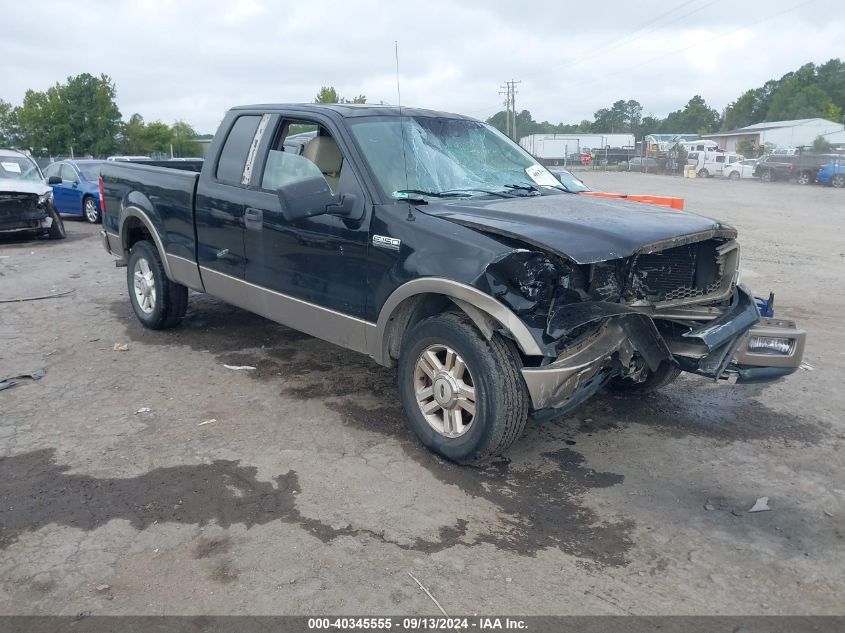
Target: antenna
{"type": "Point", "coordinates": [410, 217]}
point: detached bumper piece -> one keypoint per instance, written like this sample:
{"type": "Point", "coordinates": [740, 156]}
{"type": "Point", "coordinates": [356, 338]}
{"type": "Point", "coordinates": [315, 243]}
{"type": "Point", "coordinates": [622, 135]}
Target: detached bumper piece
{"type": "Point", "coordinates": [770, 350]}
{"type": "Point", "coordinates": [737, 346]}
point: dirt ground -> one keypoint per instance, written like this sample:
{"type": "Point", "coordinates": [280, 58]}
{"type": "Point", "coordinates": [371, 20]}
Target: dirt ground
{"type": "Point", "coordinates": [308, 494]}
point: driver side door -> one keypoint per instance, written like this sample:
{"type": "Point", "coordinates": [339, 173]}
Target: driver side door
{"type": "Point", "coordinates": [312, 270]}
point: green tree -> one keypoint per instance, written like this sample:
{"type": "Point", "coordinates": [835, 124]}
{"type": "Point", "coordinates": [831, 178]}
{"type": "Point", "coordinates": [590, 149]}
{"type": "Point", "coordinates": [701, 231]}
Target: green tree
{"type": "Point", "coordinates": [821, 145]}
{"type": "Point", "coordinates": [80, 114]}
{"type": "Point", "coordinates": [8, 125]}
{"type": "Point", "coordinates": [132, 140]}
{"type": "Point", "coordinates": [742, 112]}
{"type": "Point", "coordinates": [328, 94]}
{"type": "Point", "coordinates": [695, 117]}
{"type": "Point", "coordinates": [184, 143]}
{"type": "Point", "coordinates": [157, 137]}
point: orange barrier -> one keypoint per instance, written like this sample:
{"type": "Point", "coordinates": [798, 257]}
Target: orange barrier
{"type": "Point", "coordinates": [662, 201]}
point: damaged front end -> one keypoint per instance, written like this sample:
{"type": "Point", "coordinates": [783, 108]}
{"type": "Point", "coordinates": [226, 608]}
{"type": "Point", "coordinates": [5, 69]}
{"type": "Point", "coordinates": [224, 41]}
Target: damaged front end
{"type": "Point", "coordinates": [23, 211]}
{"type": "Point", "coordinates": [676, 303]}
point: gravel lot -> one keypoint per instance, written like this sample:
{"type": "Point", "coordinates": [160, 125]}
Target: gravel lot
{"type": "Point", "coordinates": [307, 493]}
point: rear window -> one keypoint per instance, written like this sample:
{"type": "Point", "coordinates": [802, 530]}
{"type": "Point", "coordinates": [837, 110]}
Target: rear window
{"type": "Point", "coordinates": [230, 167]}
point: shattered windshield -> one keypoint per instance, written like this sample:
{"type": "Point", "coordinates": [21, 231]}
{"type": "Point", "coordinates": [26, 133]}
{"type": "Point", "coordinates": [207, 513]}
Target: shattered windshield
{"type": "Point", "coordinates": [19, 168]}
{"type": "Point", "coordinates": [440, 156]}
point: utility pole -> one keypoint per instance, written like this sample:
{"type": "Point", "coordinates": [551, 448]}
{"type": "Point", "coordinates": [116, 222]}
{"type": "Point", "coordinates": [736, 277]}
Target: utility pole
{"type": "Point", "coordinates": [509, 91]}
{"type": "Point", "coordinates": [506, 92]}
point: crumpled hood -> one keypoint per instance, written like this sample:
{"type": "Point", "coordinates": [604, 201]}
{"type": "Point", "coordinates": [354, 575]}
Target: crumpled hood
{"type": "Point", "coordinates": [584, 229]}
{"type": "Point", "coordinates": [10, 185]}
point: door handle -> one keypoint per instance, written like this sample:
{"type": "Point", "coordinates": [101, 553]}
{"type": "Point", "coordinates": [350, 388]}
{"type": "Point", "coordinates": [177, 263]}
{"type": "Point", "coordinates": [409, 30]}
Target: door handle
{"type": "Point", "coordinates": [254, 219]}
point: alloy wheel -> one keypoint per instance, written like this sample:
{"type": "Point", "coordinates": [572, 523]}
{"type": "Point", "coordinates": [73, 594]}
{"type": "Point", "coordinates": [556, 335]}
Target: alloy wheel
{"type": "Point", "coordinates": [445, 390]}
{"type": "Point", "coordinates": [144, 285]}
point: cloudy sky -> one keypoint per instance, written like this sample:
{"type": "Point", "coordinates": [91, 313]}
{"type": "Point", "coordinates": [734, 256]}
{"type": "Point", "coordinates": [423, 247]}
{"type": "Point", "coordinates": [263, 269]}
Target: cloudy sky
{"type": "Point", "coordinates": [192, 60]}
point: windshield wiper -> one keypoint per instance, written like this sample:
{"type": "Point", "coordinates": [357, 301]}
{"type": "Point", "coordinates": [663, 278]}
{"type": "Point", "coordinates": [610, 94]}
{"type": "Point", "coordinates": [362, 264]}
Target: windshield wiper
{"type": "Point", "coordinates": [409, 194]}
{"type": "Point", "coordinates": [529, 189]}
{"type": "Point", "coordinates": [489, 192]}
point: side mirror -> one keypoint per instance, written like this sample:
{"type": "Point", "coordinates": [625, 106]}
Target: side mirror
{"type": "Point", "coordinates": [54, 180]}
{"type": "Point", "coordinates": [312, 196]}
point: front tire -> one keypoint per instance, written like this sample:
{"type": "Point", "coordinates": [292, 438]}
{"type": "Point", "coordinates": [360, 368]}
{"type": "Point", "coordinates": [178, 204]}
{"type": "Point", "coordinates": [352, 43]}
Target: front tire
{"type": "Point", "coordinates": [803, 178]}
{"type": "Point", "coordinates": [57, 228]}
{"type": "Point", "coordinates": [734, 175]}
{"type": "Point", "coordinates": [157, 302]}
{"type": "Point", "coordinates": [703, 173]}
{"type": "Point", "coordinates": [464, 395]}
{"type": "Point", "coordinates": [90, 210]}
{"type": "Point", "coordinates": [838, 181]}
{"type": "Point", "coordinates": [766, 176]}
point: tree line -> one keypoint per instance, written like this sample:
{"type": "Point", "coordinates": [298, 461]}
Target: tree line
{"type": "Point", "coordinates": [809, 92]}
{"type": "Point", "coordinates": [81, 117]}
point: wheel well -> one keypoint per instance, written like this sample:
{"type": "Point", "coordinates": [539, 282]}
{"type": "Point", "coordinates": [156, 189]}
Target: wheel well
{"type": "Point", "coordinates": [134, 231]}
{"type": "Point", "coordinates": [421, 306]}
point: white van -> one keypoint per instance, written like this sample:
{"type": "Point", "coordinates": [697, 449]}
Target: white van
{"type": "Point", "coordinates": [709, 164]}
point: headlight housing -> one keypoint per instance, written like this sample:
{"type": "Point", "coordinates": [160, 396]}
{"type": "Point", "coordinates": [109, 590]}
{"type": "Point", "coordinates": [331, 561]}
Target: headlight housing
{"type": "Point", "coordinates": [44, 198]}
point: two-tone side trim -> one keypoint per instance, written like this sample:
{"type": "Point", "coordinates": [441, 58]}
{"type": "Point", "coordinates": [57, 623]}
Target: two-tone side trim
{"type": "Point", "coordinates": [135, 212]}
{"type": "Point", "coordinates": [335, 327]}
{"type": "Point", "coordinates": [185, 272]}
{"type": "Point", "coordinates": [475, 297]}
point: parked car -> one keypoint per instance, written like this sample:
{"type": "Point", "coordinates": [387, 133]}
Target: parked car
{"type": "Point", "coordinates": [638, 163]}
{"type": "Point", "coordinates": [496, 292]}
{"type": "Point", "coordinates": [802, 168]}
{"type": "Point", "coordinates": [711, 163]}
{"type": "Point", "coordinates": [740, 169]}
{"type": "Point", "coordinates": [570, 182]}
{"type": "Point", "coordinates": [78, 192]}
{"type": "Point", "coordinates": [832, 174]}
{"type": "Point", "coordinates": [26, 201]}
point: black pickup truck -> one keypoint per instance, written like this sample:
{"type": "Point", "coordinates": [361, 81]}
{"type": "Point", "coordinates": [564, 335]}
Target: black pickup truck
{"type": "Point", "coordinates": [802, 168]}
{"type": "Point", "coordinates": [432, 242]}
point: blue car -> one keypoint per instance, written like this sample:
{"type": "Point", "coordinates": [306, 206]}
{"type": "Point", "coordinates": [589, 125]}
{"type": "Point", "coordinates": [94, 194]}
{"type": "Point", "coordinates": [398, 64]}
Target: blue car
{"type": "Point", "coordinates": [79, 193]}
{"type": "Point", "coordinates": [832, 174]}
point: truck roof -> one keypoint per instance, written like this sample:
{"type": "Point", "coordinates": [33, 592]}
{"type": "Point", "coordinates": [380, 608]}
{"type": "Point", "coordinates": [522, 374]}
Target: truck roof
{"type": "Point", "coordinates": [352, 110]}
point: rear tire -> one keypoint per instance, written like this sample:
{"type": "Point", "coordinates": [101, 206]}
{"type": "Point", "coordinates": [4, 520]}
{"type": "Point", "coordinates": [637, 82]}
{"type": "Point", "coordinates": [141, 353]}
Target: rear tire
{"type": "Point", "coordinates": [91, 210]}
{"type": "Point", "coordinates": [838, 181]}
{"type": "Point", "coordinates": [57, 228]}
{"type": "Point", "coordinates": [655, 380]}
{"type": "Point", "coordinates": [734, 175]}
{"type": "Point", "coordinates": [157, 302]}
{"type": "Point", "coordinates": [445, 355]}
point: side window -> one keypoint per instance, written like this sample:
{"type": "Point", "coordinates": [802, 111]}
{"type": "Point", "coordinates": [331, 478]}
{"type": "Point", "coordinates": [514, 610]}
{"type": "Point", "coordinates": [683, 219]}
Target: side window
{"type": "Point", "coordinates": [68, 174]}
{"type": "Point", "coordinates": [230, 167]}
{"type": "Point", "coordinates": [52, 170]}
{"type": "Point", "coordinates": [302, 150]}
{"type": "Point", "coordinates": [720, 159]}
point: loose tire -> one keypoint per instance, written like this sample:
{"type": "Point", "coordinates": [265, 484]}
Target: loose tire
{"type": "Point", "coordinates": [655, 380]}
{"type": "Point", "coordinates": [157, 302]}
{"type": "Point", "coordinates": [57, 228]}
{"type": "Point", "coordinates": [838, 181]}
{"type": "Point", "coordinates": [766, 175]}
{"type": "Point", "coordinates": [703, 173]}
{"type": "Point", "coordinates": [464, 396]}
{"type": "Point", "coordinates": [734, 175]}
{"type": "Point", "coordinates": [90, 210]}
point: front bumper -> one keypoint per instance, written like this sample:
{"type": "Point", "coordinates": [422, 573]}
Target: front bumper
{"type": "Point", "coordinates": [718, 350]}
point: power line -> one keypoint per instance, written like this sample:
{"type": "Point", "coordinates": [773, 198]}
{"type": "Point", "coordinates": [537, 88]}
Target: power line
{"type": "Point", "coordinates": [694, 45]}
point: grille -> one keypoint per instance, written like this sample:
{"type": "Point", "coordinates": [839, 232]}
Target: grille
{"type": "Point", "coordinates": [680, 273]}
{"type": "Point", "coordinates": [14, 204]}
